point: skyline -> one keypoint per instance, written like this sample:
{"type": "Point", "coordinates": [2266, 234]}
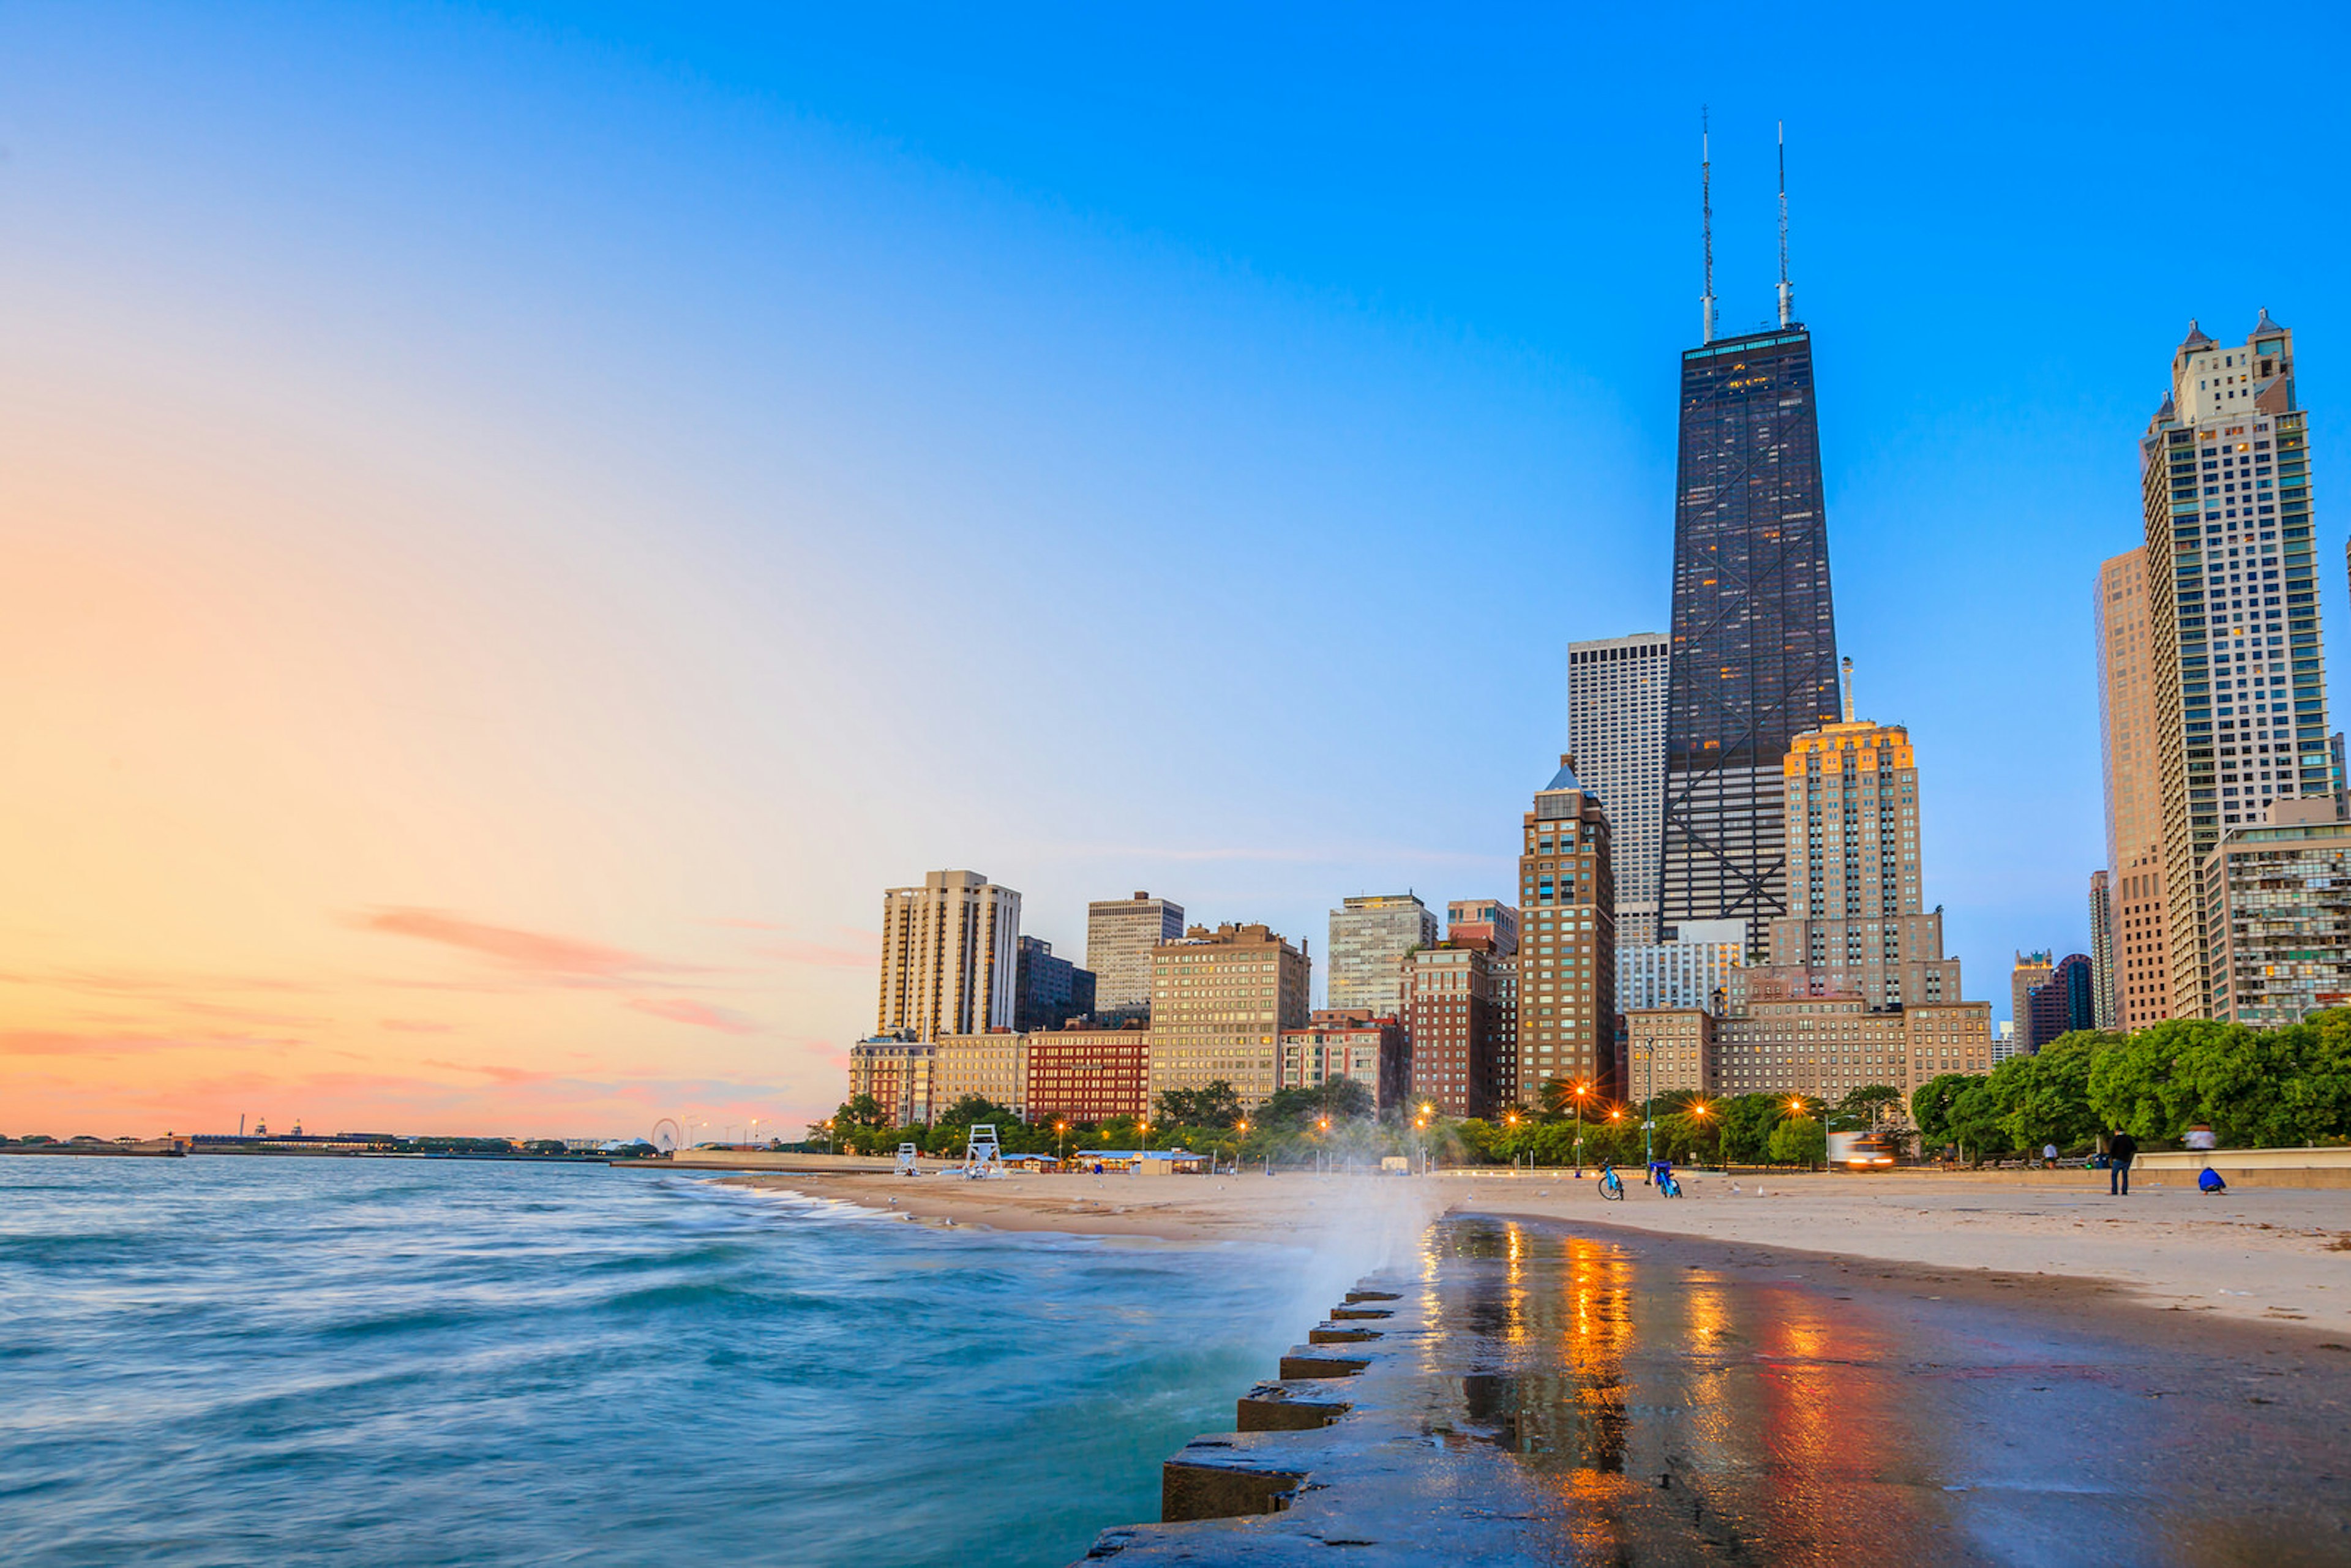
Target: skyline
{"type": "Point", "coordinates": [501, 511]}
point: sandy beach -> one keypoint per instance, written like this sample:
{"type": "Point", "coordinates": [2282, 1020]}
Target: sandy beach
{"type": "Point", "coordinates": [2274, 1256]}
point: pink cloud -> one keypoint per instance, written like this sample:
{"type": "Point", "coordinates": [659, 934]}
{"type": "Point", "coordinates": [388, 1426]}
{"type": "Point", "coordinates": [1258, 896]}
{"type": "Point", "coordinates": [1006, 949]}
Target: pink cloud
{"type": "Point", "coordinates": [492, 1070]}
{"type": "Point", "coordinates": [679, 1009]}
{"type": "Point", "coordinates": [555, 957]}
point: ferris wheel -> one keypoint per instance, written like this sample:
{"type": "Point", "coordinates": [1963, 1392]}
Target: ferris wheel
{"type": "Point", "coordinates": [667, 1136]}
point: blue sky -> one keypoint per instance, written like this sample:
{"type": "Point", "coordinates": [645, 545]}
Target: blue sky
{"type": "Point", "coordinates": [694, 467]}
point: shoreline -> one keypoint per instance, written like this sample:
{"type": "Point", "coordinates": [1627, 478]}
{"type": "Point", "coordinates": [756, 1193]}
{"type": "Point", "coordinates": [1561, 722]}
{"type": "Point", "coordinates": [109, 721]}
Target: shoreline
{"type": "Point", "coordinates": [2277, 1257]}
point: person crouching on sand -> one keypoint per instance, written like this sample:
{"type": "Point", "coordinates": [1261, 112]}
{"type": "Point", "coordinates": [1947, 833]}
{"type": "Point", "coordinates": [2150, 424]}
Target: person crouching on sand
{"type": "Point", "coordinates": [2121, 1149]}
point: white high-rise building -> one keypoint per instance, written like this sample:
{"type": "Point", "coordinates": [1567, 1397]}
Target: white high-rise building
{"type": "Point", "coordinates": [1616, 733]}
{"type": "Point", "coordinates": [2238, 678]}
{"type": "Point", "coordinates": [950, 957]}
{"type": "Point", "coordinates": [1693, 970]}
{"type": "Point", "coordinates": [1369, 938]}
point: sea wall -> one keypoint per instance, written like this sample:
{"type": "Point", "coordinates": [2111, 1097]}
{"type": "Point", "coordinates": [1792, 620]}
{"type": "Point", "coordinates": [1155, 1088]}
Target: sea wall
{"type": "Point", "coordinates": [1349, 1449]}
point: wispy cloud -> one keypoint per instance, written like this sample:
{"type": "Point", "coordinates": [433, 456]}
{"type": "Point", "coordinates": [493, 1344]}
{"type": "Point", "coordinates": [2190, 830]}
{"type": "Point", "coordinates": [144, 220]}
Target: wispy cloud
{"type": "Point", "coordinates": [120, 1042]}
{"type": "Point", "coordinates": [567, 959]}
{"type": "Point", "coordinates": [495, 1071]}
{"type": "Point", "coordinates": [701, 1015]}
{"type": "Point", "coordinates": [416, 1026]}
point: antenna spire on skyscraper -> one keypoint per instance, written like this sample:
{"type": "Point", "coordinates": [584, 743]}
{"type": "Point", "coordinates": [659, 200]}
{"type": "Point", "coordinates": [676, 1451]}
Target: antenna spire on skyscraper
{"type": "Point", "coordinates": [1706, 198]}
{"type": "Point", "coordinates": [1787, 293]}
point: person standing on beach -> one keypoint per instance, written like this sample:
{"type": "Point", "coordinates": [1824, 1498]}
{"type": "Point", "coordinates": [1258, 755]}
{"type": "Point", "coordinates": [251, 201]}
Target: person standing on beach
{"type": "Point", "coordinates": [2120, 1149]}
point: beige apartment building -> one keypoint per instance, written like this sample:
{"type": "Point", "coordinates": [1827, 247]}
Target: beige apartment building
{"type": "Point", "coordinates": [1666, 1049]}
{"type": "Point", "coordinates": [1219, 1002]}
{"type": "Point", "coordinates": [950, 957]}
{"type": "Point", "coordinates": [1821, 1046]}
{"type": "Point", "coordinates": [2134, 791]}
{"type": "Point", "coordinates": [993, 1066]}
{"type": "Point", "coordinates": [1856, 922]}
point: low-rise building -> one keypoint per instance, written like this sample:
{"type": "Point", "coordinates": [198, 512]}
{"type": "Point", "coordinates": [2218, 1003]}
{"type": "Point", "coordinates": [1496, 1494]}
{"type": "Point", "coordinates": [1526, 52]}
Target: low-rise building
{"type": "Point", "coordinates": [897, 1073]}
{"type": "Point", "coordinates": [993, 1066]}
{"type": "Point", "coordinates": [1818, 1046]}
{"type": "Point", "coordinates": [1669, 1049]}
{"type": "Point", "coordinates": [1342, 1042]}
{"type": "Point", "coordinates": [2277, 907]}
{"type": "Point", "coordinates": [1088, 1074]}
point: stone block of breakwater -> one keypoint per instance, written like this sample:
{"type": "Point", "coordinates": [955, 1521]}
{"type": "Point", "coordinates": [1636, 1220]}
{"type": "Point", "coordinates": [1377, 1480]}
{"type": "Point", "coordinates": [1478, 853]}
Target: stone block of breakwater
{"type": "Point", "coordinates": [1292, 1407]}
{"type": "Point", "coordinates": [1366, 1314]}
{"type": "Point", "coordinates": [1222, 1477]}
{"type": "Point", "coordinates": [1341, 1334]}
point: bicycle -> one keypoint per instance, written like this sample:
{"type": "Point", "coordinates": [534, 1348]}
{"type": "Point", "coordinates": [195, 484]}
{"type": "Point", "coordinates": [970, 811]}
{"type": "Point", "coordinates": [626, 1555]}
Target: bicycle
{"type": "Point", "coordinates": [1612, 1185]}
{"type": "Point", "coordinates": [1668, 1185]}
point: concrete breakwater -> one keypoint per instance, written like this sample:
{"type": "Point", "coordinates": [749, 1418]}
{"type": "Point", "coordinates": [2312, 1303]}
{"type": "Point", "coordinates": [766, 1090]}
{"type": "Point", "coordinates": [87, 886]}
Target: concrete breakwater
{"type": "Point", "coordinates": [1356, 1444]}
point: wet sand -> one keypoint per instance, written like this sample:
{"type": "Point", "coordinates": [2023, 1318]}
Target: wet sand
{"type": "Point", "coordinates": [2277, 1256]}
{"type": "Point", "coordinates": [1679, 1400]}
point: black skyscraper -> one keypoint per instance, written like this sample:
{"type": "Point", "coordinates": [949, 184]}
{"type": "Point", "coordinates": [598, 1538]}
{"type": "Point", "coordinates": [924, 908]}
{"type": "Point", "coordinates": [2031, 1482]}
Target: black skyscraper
{"type": "Point", "coordinates": [1754, 651]}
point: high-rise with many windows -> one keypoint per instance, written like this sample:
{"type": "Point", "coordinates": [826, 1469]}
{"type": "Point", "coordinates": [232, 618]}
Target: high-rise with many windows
{"type": "Point", "coordinates": [1858, 923]}
{"type": "Point", "coordinates": [1121, 934]}
{"type": "Point", "coordinates": [2140, 979]}
{"type": "Point", "coordinates": [1616, 733]}
{"type": "Point", "coordinates": [949, 956]}
{"type": "Point", "coordinates": [1754, 658]}
{"type": "Point", "coordinates": [1219, 1001]}
{"type": "Point", "coordinates": [2238, 670]}
{"type": "Point", "coordinates": [1369, 938]}
{"type": "Point", "coordinates": [1567, 940]}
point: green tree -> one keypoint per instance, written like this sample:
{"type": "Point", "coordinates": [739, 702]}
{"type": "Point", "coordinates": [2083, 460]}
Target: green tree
{"type": "Point", "coordinates": [1864, 1109]}
{"type": "Point", "coordinates": [1217, 1106]}
{"type": "Point", "coordinates": [1800, 1140]}
{"type": "Point", "coordinates": [1930, 1106]}
{"type": "Point", "coordinates": [1747, 1123]}
{"type": "Point", "coordinates": [2044, 1098]}
{"type": "Point", "coordinates": [1336, 1099]}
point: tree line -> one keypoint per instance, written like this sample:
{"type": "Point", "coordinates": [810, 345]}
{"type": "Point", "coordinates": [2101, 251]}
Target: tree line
{"type": "Point", "coordinates": [2278, 1088]}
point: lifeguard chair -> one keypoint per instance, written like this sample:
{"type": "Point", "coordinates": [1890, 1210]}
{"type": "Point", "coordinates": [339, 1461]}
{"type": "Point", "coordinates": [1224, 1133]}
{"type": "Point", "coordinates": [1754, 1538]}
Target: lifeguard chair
{"type": "Point", "coordinates": [907, 1166]}
{"type": "Point", "coordinates": [983, 1155]}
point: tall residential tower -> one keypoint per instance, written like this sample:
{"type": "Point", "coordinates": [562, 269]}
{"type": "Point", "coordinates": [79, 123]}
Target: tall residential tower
{"type": "Point", "coordinates": [2238, 673]}
{"type": "Point", "coordinates": [950, 954]}
{"type": "Point", "coordinates": [2141, 980]}
{"type": "Point", "coordinates": [1616, 733]}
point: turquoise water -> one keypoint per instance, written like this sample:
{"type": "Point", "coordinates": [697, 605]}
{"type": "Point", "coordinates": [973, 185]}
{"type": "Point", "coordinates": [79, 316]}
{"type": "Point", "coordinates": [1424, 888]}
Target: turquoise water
{"type": "Point", "coordinates": [224, 1360]}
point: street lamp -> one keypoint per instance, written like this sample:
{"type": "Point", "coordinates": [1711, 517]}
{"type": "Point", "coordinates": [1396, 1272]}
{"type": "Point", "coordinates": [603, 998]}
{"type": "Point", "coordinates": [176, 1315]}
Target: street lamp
{"type": "Point", "coordinates": [1060, 1143]}
{"type": "Point", "coordinates": [1580, 1092]}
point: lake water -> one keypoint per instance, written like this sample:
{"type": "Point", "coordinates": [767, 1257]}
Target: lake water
{"type": "Point", "coordinates": [224, 1360]}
